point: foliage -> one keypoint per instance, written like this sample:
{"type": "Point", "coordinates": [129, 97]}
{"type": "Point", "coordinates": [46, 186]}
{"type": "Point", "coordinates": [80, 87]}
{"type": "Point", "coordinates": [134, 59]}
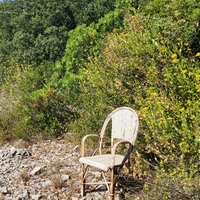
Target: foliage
{"type": "Point", "coordinates": [37, 30]}
{"type": "Point", "coordinates": [34, 31]}
{"type": "Point", "coordinates": [179, 185]}
{"type": "Point", "coordinates": [93, 10]}
{"type": "Point", "coordinates": [83, 41]}
{"type": "Point", "coordinates": [146, 58]}
{"type": "Point", "coordinates": [149, 66]}
{"type": "Point", "coordinates": [5, 33]}
{"type": "Point", "coordinates": [45, 93]}
{"type": "Point", "coordinates": [147, 70]}
{"type": "Point", "coordinates": [35, 101]}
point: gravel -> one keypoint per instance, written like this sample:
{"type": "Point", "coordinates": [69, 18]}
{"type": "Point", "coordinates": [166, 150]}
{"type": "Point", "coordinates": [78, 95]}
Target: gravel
{"type": "Point", "coordinates": [44, 170]}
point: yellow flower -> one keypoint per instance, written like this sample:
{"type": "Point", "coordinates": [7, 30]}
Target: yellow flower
{"type": "Point", "coordinates": [170, 118]}
{"type": "Point", "coordinates": [190, 74]}
{"type": "Point", "coordinates": [198, 54]}
{"type": "Point", "coordinates": [174, 56]}
{"type": "Point", "coordinates": [197, 77]}
{"type": "Point", "coordinates": [145, 108]}
{"type": "Point", "coordinates": [154, 94]}
{"type": "Point", "coordinates": [175, 60]}
{"type": "Point", "coordinates": [183, 71]}
{"type": "Point", "coordinates": [189, 102]}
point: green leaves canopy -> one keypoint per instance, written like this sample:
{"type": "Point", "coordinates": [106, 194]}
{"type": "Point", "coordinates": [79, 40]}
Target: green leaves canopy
{"type": "Point", "coordinates": [37, 30]}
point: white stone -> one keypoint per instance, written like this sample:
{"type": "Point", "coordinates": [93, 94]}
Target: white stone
{"type": "Point", "coordinates": [36, 171]}
{"type": "Point", "coordinates": [64, 177]}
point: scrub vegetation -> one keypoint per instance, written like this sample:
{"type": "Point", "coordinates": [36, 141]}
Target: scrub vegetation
{"type": "Point", "coordinates": [64, 66]}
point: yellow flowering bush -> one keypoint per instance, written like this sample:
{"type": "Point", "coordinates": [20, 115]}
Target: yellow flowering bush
{"type": "Point", "coordinates": [144, 70]}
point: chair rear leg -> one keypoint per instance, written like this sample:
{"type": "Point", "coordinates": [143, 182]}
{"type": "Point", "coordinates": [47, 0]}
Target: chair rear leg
{"type": "Point", "coordinates": [83, 181]}
{"type": "Point", "coordinates": [112, 184]}
{"type": "Point", "coordinates": [128, 166]}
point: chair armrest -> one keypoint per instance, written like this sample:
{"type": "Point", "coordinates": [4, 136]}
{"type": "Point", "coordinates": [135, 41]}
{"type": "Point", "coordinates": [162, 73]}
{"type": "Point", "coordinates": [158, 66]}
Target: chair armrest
{"type": "Point", "coordinates": [83, 142]}
{"type": "Point", "coordinates": [127, 153]}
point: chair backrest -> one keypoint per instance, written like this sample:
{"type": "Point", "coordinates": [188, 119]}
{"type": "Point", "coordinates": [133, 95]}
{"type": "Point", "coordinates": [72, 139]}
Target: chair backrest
{"type": "Point", "coordinates": [125, 124]}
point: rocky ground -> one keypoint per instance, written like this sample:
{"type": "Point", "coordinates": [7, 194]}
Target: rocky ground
{"type": "Point", "coordinates": [44, 170]}
{"type": "Point", "coordinates": [47, 170]}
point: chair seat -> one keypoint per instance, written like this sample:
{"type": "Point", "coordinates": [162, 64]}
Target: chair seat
{"type": "Point", "coordinates": [102, 162]}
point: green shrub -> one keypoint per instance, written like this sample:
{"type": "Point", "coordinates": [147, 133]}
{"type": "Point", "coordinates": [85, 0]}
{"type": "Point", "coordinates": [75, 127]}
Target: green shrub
{"type": "Point", "coordinates": [37, 107]}
{"type": "Point", "coordinates": [145, 67]}
{"type": "Point", "coordinates": [178, 185]}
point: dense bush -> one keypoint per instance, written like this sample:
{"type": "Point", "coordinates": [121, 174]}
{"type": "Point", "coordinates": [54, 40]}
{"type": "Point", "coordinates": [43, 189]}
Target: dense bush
{"type": "Point", "coordinates": [151, 67]}
{"type": "Point", "coordinates": [48, 94]}
{"type": "Point", "coordinates": [141, 68]}
{"type": "Point", "coordinates": [36, 107]}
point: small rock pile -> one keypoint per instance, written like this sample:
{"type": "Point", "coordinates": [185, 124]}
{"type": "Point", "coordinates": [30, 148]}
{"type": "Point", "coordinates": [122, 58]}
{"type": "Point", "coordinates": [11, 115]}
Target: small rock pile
{"type": "Point", "coordinates": [45, 170]}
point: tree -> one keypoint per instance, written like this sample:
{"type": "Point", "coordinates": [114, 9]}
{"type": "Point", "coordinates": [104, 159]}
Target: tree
{"type": "Point", "coordinates": [40, 30]}
{"type": "Point", "coordinates": [88, 11]}
{"type": "Point", "coordinates": [37, 30]}
{"type": "Point", "coordinates": [34, 31]}
{"type": "Point", "coordinates": [6, 30]}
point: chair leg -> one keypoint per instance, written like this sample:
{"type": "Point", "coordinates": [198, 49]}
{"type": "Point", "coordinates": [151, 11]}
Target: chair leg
{"type": "Point", "coordinates": [83, 181]}
{"type": "Point", "coordinates": [129, 166]}
{"type": "Point", "coordinates": [112, 184]}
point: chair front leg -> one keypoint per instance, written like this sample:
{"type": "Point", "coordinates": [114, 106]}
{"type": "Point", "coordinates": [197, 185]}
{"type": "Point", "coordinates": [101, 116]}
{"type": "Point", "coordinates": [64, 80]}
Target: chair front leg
{"type": "Point", "coordinates": [83, 181]}
{"type": "Point", "coordinates": [112, 184]}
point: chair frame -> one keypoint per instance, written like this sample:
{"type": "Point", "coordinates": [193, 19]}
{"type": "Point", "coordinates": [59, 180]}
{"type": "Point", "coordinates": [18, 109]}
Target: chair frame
{"type": "Point", "coordinates": [115, 142]}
